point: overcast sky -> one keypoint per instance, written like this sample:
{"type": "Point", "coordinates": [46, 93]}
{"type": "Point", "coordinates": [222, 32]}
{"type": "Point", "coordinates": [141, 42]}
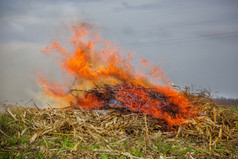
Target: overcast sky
{"type": "Point", "coordinates": [196, 41]}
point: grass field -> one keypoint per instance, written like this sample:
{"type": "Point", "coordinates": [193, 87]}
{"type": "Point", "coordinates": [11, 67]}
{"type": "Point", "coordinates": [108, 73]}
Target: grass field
{"type": "Point", "coordinates": [233, 108]}
{"type": "Point", "coordinates": [23, 135]}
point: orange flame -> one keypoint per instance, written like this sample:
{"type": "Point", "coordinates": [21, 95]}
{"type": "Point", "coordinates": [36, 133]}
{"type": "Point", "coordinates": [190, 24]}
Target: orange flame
{"type": "Point", "coordinates": [94, 60]}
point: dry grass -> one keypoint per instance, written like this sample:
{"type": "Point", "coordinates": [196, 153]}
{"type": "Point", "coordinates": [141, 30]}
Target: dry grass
{"type": "Point", "coordinates": [216, 126]}
{"type": "Point", "coordinates": [53, 133]}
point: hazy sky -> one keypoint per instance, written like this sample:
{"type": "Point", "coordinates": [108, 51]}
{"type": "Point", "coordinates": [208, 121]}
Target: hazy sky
{"type": "Point", "coordinates": [196, 41]}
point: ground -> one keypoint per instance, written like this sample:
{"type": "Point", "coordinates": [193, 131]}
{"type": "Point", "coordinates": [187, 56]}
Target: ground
{"type": "Point", "coordinates": [51, 133]}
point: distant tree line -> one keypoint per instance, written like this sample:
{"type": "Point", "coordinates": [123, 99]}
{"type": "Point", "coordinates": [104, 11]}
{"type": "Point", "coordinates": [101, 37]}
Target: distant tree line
{"type": "Point", "coordinates": [226, 101]}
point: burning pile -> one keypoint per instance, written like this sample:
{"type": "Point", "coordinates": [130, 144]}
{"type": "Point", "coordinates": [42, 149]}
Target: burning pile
{"type": "Point", "coordinates": [105, 79]}
{"type": "Point", "coordinates": [168, 110]}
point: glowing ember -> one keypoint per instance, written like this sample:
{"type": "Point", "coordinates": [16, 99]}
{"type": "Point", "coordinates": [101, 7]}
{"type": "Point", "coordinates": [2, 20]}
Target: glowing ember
{"type": "Point", "coordinates": [109, 80]}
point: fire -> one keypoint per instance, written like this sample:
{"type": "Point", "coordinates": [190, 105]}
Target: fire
{"type": "Point", "coordinates": [99, 64]}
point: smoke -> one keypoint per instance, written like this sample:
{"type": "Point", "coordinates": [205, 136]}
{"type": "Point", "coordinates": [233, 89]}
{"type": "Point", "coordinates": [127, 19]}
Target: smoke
{"type": "Point", "coordinates": [19, 65]}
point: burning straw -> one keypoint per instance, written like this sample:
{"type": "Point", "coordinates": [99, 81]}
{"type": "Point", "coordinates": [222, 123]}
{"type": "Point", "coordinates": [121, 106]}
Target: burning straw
{"type": "Point", "coordinates": [168, 108]}
{"type": "Point", "coordinates": [106, 79]}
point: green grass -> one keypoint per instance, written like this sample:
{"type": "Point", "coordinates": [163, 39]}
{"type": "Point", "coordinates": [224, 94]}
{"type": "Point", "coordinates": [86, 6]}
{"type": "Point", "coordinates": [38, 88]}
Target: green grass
{"type": "Point", "coordinates": [61, 147]}
{"type": "Point", "coordinates": [233, 108]}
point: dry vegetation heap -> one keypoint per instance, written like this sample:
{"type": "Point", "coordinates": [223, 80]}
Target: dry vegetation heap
{"type": "Point", "coordinates": [213, 134]}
